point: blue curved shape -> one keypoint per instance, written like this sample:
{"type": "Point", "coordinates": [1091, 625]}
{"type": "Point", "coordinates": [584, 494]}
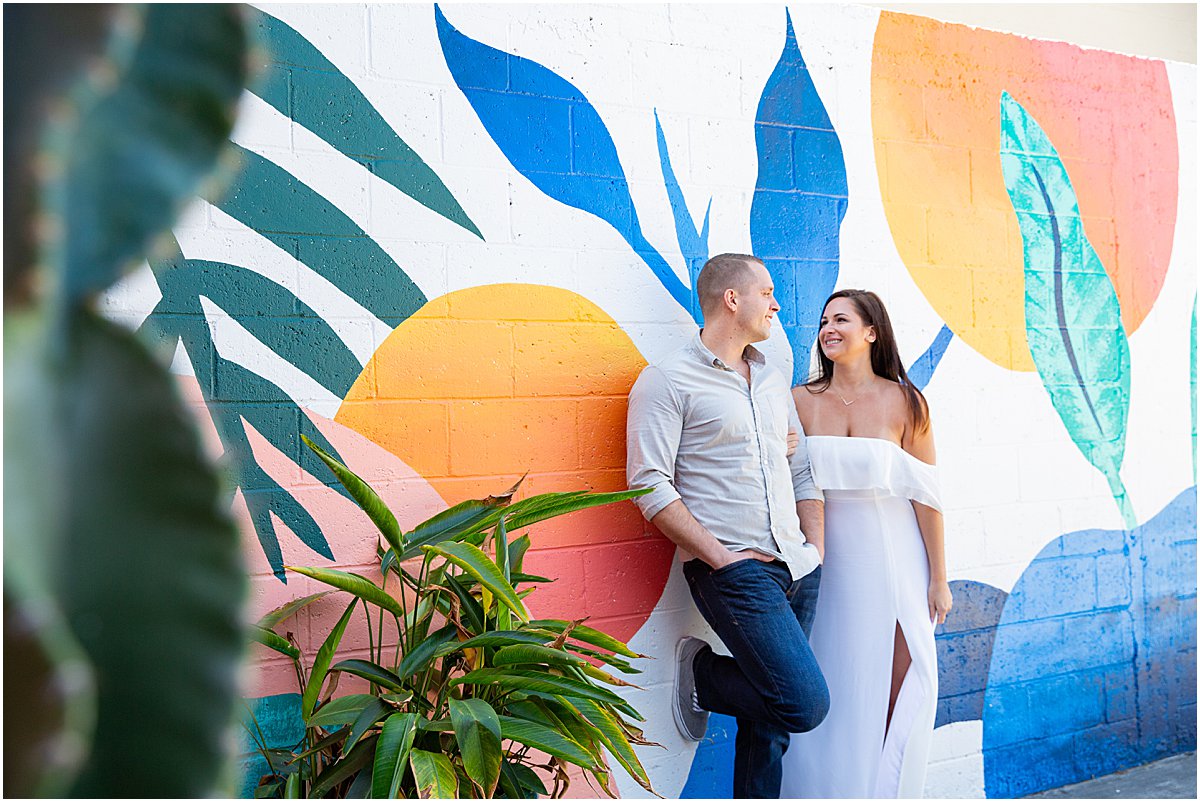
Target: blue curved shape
{"type": "Point", "coordinates": [1094, 664]}
{"type": "Point", "coordinates": [553, 136]}
{"type": "Point", "coordinates": [800, 199]}
{"type": "Point", "coordinates": [921, 371]}
{"type": "Point", "coordinates": [692, 244]}
{"type": "Point", "coordinates": [964, 650]}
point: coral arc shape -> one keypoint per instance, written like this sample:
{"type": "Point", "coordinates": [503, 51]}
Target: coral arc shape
{"type": "Point", "coordinates": [537, 383]}
{"type": "Point", "coordinates": [1072, 314]}
{"type": "Point", "coordinates": [935, 91]}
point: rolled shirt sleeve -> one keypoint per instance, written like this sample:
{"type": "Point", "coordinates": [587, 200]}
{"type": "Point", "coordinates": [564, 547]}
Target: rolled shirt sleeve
{"type": "Point", "coordinates": [653, 430]}
{"type": "Point", "coordinates": [802, 478]}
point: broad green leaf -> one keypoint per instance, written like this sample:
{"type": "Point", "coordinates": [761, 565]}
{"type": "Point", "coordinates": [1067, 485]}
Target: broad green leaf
{"type": "Point", "coordinates": [1072, 314]}
{"type": "Point", "coordinates": [320, 667]}
{"type": "Point", "coordinates": [478, 732]}
{"type": "Point", "coordinates": [549, 741]}
{"type": "Point", "coordinates": [345, 767]}
{"type": "Point", "coordinates": [616, 662]}
{"type": "Point", "coordinates": [322, 745]}
{"type": "Point", "coordinates": [519, 520]}
{"type": "Point", "coordinates": [434, 775]}
{"type": "Point", "coordinates": [586, 634]}
{"type": "Point", "coordinates": [526, 779]}
{"type": "Point", "coordinates": [286, 611]}
{"type": "Point", "coordinates": [292, 789]}
{"type": "Point", "coordinates": [469, 609]}
{"type": "Point", "coordinates": [455, 522]}
{"type": "Point", "coordinates": [136, 147]}
{"type": "Point", "coordinates": [391, 756]}
{"type": "Point", "coordinates": [148, 564]}
{"type": "Point", "coordinates": [519, 577]}
{"type": "Point", "coordinates": [360, 586]}
{"type": "Point", "coordinates": [516, 555]}
{"type": "Point", "coordinates": [529, 653]}
{"type": "Point", "coordinates": [419, 657]}
{"type": "Point", "coordinates": [341, 711]}
{"type": "Point", "coordinates": [491, 639]}
{"type": "Point", "coordinates": [538, 681]}
{"type": "Point", "coordinates": [373, 672]}
{"type": "Point", "coordinates": [604, 676]}
{"type": "Point", "coordinates": [472, 560]}
{"type": "Point", "coordinates": [371, 713]}
{"type": "Point", "coordinates": [272, 641]}
{"type": "Point", "coordinates": [364, 495]}
{"type": "Point", "coordinates": [613, 738]}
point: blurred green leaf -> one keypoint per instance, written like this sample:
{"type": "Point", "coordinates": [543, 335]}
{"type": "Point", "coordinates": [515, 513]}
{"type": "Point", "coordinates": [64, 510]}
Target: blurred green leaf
{"type": "Point", "coordinates": [434, 775]}
{"type": "Point", "coordinates": [478, 732]}
{"type": "Point", "coordinates": [320, 667]}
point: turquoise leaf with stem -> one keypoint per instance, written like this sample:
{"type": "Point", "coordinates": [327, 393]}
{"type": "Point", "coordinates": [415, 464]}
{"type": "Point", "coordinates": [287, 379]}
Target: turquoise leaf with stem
{"type": "Point", "coordinates": [1072, 313]}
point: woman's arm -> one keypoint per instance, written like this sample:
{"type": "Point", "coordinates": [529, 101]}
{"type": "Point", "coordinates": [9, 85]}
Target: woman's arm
{"type": "Point", "coordinates": [920, 445]}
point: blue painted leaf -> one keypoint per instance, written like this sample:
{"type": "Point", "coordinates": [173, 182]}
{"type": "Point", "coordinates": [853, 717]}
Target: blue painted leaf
{"type": "Point", "coordinates": [692, 244]}
{"type": "Point", "coordinates": [921, 371]}
{"type": "Point", "coordinates": [799, 200]}
{"type": "Point", "coordinates": [553, 136]}
{"type": "Point", "coordinates": [304, 85]}
{"type": "Point", "coordinates": [1072, 314]}
{"type": "Point", "coordinates": [273, 202]}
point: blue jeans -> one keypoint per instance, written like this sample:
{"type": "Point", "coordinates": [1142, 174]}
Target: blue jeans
{"type": "Point", "coordinates": [772, 683]}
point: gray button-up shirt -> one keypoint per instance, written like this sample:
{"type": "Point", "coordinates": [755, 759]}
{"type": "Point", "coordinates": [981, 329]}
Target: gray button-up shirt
{"type": "Point", "coordinates": [698, 432]}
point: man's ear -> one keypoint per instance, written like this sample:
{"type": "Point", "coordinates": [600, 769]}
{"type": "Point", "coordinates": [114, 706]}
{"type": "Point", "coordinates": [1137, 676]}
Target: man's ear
{"type": "Point", "coordinates": [731, 299]}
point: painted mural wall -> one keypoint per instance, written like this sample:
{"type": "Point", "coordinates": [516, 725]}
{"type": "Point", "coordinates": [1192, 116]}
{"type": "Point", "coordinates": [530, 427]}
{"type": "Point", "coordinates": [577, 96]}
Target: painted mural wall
{"type": "Point", "coordinates": [457, 234]}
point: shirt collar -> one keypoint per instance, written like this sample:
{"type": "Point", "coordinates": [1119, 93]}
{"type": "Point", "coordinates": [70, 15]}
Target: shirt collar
{"type": "Point", "coordinates": [750, 354]}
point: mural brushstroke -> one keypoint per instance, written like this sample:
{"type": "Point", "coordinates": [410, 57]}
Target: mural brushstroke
{"type": "Point", "coordinates": [1072, 315]}
{"type": "Point", "coordinates": [306, 87]}
{"type": "Point", "coordinates": [1094, 664]}
{"type": "Point", "coordinates": [692, 244]}
{"type": "Point", "coordinates": [800, 198]}
{"type": "Point", "coordinates": [553, 136]}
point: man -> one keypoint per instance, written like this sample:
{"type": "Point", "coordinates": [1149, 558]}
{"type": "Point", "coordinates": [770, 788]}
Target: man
{"type": "Point", "coordinates": [707, 430]}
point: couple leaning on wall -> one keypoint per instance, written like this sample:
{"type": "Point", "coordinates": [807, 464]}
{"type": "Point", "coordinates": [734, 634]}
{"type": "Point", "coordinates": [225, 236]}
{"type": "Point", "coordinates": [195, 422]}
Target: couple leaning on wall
{"type": "Point", "coordinates": [818, 560]}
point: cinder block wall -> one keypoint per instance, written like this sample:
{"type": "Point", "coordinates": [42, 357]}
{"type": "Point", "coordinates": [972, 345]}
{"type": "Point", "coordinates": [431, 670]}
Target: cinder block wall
{"type": "Point", "coordinates": [457, 234]}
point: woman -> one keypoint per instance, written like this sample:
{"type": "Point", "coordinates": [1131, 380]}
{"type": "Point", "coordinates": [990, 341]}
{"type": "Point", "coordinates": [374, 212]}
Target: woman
{"type": "Point", "coordinates": [883, 582]}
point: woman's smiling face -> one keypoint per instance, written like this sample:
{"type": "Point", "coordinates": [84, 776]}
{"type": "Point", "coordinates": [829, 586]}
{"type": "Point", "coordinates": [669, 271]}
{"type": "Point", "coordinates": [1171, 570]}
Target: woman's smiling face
{"type": "Point", "coordinates": [843, 332]}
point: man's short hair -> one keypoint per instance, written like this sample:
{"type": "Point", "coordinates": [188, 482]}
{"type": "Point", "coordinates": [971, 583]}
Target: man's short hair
{"type": "Point", "coordinates": [726, 271]}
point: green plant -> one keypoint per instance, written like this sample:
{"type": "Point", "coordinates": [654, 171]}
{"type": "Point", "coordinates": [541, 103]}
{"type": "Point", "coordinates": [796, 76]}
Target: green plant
{"type": "Point", "coordinates": [123, 583]}
{"type": "Point", "coordinates": [475, 694]}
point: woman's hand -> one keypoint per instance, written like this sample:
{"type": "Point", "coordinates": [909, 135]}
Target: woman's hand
{"type": "Point", "coordinates": [793, 441]}
{"type": "Point", "coordinates": [940, 601]}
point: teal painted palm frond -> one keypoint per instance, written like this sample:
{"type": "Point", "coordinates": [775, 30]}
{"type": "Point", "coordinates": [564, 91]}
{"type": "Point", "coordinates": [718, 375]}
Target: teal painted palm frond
{"type": "Point", "coordinates": [302, 84]}
{"type": "Point", "coordinates": [1193, 395]}
{"type": "Point", "coordinates": [306, 87]}
{"type": "Point", "coordinates": [1072, 313]}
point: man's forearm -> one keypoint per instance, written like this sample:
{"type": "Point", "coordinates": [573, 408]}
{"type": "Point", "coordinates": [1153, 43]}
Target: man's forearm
{"type": "Point", "coordinates": [812, 523]}
{"type": "Point", "coordinates": [681, 527]}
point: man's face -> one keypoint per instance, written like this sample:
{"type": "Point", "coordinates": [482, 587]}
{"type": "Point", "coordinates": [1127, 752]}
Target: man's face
{"type": "Point", "coordinates": [756, 304]}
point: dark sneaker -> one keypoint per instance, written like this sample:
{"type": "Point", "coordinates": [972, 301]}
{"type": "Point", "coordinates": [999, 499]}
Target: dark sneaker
{"type": "Point", "coordinates": [689, 718]}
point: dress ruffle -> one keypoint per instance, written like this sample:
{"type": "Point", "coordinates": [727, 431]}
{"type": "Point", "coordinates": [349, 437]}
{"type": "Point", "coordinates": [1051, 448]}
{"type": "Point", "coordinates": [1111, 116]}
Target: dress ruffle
{"type": "Point", "coordinates": [872, 463]}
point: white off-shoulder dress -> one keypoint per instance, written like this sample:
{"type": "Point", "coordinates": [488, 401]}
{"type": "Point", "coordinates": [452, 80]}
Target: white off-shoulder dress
{"type": "Point", "coordinates": [875, 576]}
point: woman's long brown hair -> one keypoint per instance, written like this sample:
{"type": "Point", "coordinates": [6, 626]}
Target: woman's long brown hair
{"type": "Point", "coordinates": [885, 356]}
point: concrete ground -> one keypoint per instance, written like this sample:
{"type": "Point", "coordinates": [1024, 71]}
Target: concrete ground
{"type": "Point", "coordinates": [1170, 778]}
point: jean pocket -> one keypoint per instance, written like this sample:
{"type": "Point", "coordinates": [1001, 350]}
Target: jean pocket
{"type": "Point", "coordinates": [733, 567]}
